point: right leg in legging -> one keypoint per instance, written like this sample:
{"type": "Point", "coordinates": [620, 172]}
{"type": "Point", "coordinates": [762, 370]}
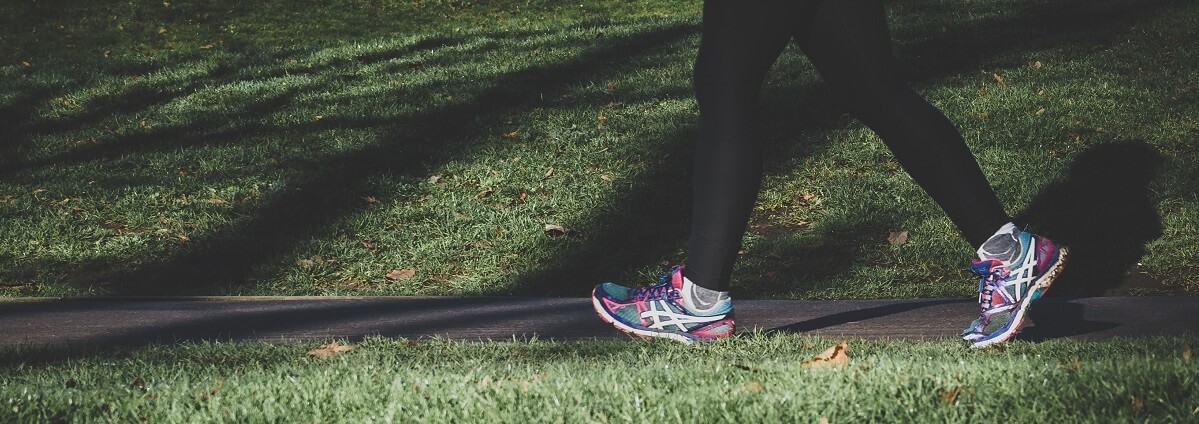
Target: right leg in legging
{"type": "Point", "coordinates": [740, 41]}
{"type": "Point", "coordinates": [849, 45]}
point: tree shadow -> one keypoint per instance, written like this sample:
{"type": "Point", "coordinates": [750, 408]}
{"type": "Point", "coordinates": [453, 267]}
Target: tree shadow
{"type": "Point", "coordinates": [1103, 211]}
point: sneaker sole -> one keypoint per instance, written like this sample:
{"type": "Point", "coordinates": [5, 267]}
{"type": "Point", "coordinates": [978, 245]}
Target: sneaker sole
{"type": "Point", "coordinates": [644, 334]}
{"type": "Point", "coordinates": [1039, 289]}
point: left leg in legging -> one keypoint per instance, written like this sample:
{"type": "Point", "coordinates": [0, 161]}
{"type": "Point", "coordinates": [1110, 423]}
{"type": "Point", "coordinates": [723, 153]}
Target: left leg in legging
{"type": "Point", "coordinates": [849, 45]}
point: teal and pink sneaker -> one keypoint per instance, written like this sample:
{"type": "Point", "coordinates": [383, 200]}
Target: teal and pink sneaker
{"type": "Point", "coordinates": [1005, 291]}
{"type": "Point", "coordinates": [659, 311]}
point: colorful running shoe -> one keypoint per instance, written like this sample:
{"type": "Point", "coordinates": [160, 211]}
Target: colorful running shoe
{"type": "Point", "coordinates": [1005, 293]}
{"type": "Point", "coordinates": [659, 311]}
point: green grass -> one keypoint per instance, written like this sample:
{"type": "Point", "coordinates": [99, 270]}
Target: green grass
{"type": "Point", "coordinates": [754, 378]}
{"type": "Point", "coordinates": [211, 147]}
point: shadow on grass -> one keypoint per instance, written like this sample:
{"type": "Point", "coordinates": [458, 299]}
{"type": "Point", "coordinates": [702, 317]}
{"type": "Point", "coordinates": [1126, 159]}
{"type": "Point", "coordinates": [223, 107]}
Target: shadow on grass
{"type": "Point", "coordinates": [1103, 211]}
{"type": "Point", "coordinates": [643, 225]}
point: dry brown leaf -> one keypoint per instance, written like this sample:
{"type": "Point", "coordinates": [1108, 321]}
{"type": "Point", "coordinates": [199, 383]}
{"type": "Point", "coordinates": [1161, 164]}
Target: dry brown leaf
{"type": "Point", "coordinates": [611, 105]}
{"type": "Point", "coordinates": [998, 79]}
{"type": "Point", "coordinates": [511, 134]}
{"type": "Point", "coordinates": [555, 229]}
{"type": "Point", "coordinates": [1040, 111]}
{"type": "Point", "coordinates": [484, 383]}
{"type": "Point", "coordinates": [400, 274]}
{"type": "Point", "coordinates": [484, 193]}
{"type": "Point", "coordinates": [371, 199]}
{"type": "Point", "coordinates": [897, 239]}
{"type": "Point", "coordinates": [217, 201]}
{"type": "Point", "coordinates": [1037, 65]}
{"type": "Point", "coordinates": [138, 383]}
{"type": "Point", "coordinates": [606, 177]}
{"type": "Point", "coordinates": [162, 30]}
{"type": "Point", "coordinates": [26, 64]}
{"type": "Point", "coordinates": [207, 46]}
{"type": "Point", "coordinates": [522, 196]}
{"type": "Point", "coordinates": [1137, 404]}
{"type": "Point", "coordinates": [949, 397]}
{"type": "Point", "coordinates": [835, 356]}
{"type": "Point", "coordinates": [334, 348]}
{"type": "Point", "coordinates": [434, 179]}
{"type": "Point", "coordinates": [366, 244]}
{"type": "Point", "coordinates": [1186, 354]}
{"type": "Point", "coordinates": [823, 420]}
{"type": "Point", "coordinates": [549, 172]}
{"type": "Point", "coordinates": [753, 386]}
{"type": "Point", "coordinates": [216, 388]}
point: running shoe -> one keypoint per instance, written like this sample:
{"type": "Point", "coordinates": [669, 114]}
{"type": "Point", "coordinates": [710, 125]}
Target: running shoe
{"type": "Point", "coordinates": [1005, 291]}
{"type": "Point", "coordinates": [659, 311]}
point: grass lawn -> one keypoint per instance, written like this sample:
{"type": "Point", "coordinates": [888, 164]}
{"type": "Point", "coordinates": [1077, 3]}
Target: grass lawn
{"type": "Point", "coordinates": [380, 147]}
{"type": "Point", "coordinates": [753, 378]}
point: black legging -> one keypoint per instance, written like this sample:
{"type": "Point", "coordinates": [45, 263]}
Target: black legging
{"type": "Point", "coordinates": [848, 43]}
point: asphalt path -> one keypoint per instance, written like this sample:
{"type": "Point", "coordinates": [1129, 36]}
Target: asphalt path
{"type": "Point", "coordinates": [132, 321]}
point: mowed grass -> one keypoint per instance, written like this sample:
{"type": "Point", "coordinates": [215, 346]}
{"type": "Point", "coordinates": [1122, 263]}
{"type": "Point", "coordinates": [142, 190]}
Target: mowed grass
{"type": "Point", "coordinates": [753, 378]}
{"type": "Point", "coordinates": [396, 148]}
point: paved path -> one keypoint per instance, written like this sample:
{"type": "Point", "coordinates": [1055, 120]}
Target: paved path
{"type": "Point", "coordinates": [124, 321]}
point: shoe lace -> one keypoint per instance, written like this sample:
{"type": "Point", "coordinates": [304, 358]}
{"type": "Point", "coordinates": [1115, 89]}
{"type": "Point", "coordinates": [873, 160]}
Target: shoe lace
{"type": "Point", "coordinates": [991, 279]}
{"type": "Point", "coordinates": [662, 290]}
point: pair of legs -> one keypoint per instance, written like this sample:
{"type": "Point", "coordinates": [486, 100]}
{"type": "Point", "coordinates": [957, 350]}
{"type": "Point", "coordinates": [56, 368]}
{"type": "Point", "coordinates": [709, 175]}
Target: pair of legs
{"type": "Point", "coordinates": [848, 43]}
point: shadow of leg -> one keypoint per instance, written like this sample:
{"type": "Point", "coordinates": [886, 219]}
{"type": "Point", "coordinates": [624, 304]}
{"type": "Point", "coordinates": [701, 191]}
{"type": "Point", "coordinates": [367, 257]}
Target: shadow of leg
{"type": "Point", "coordinates": [1103, 211]}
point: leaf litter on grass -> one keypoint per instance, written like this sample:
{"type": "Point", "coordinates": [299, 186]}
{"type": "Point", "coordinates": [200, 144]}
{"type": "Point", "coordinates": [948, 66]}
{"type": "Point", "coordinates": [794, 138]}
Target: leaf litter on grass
{"type": "Point", "coordinates": [835, 356]}
{"type": "Point", "coordinates": [331, 349]}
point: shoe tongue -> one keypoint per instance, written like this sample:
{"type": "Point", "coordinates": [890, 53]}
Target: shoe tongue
{"type": "Point", "coordinates": [984, 266]}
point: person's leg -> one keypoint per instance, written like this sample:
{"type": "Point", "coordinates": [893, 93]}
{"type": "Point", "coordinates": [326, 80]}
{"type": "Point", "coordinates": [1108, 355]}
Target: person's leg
{"type": "Point", "coordinates": [741, 40]}
{"type": "Point", "coordinates": [850, 46]}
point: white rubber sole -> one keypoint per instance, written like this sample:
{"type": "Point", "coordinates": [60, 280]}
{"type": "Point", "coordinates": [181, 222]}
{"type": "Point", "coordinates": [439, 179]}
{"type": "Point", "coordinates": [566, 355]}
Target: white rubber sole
{"type": "Point", "coordinates": [1042, 283]}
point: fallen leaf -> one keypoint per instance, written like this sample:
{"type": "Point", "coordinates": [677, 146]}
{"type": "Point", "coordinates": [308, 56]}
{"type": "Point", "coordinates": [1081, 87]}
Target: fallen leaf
{"type": "Point", "coordinates": [26, 64]}
{"type": "Point", "coordinates": [549, 172]}
{"type": "Point", "coordinates": [897, 239]}
{"type": "Point", "coordinates": [1186, 354]}
{"type": "Point", "coordinates": [305, 263]}
{"type": "Point", "coordinates": [400, 274]}
{"type": "Point", "coordinates": [371, 199]}
{"type": "Point", "coordinates": [1073, 365]}
{"type": "Point", "coordinates": [434, 179]}
{"type": "Point", "coordinates": [1037, 65]}
{"type": "Point", "coordinates": [554, 229]}
{"type": "Point", "coordinates": [484, 193]}
{"type": "Point", "coordinates": [949, 397]}
{"type": "Point", "coordinates": [366, 244]}
{"type": "Point", "coordinates": [823, 420]}
{"type": "Point", "coordinates": [484, 383]}
{"type": "Point", "coordinates": [138, 383]}
{"type": "Point", "coordinates": [999, 79]}
{"type": "Point", "coordinates": [752, 386]}
{"type": "Point", "coordinates": [207, 46]}
{"type": "Point", "coordinates": [162, 30]}
{"type": "Point", "coordinates": [318, 117]}
{"type": "Point", "coordinates": [611, 105]}
{"type": "Point", "coordinates": [522, 196]}
{"type": "Point", "coordinates": [835, 355]}
{"type": "Point", "coordinates": [334, 348]}
{"type": "Point", "coordinates": [216, 388]}
{"type": "Point", "coordinates": [1040, 111]}
{"type": "Point", "coordinates": [511, 134]}
{"type": "Point", "coordinates": [1137, 404]}
{"type": "Point", "coordinates": [605, 177]}
{"type": "Point", "coordinates": [217, 201]}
